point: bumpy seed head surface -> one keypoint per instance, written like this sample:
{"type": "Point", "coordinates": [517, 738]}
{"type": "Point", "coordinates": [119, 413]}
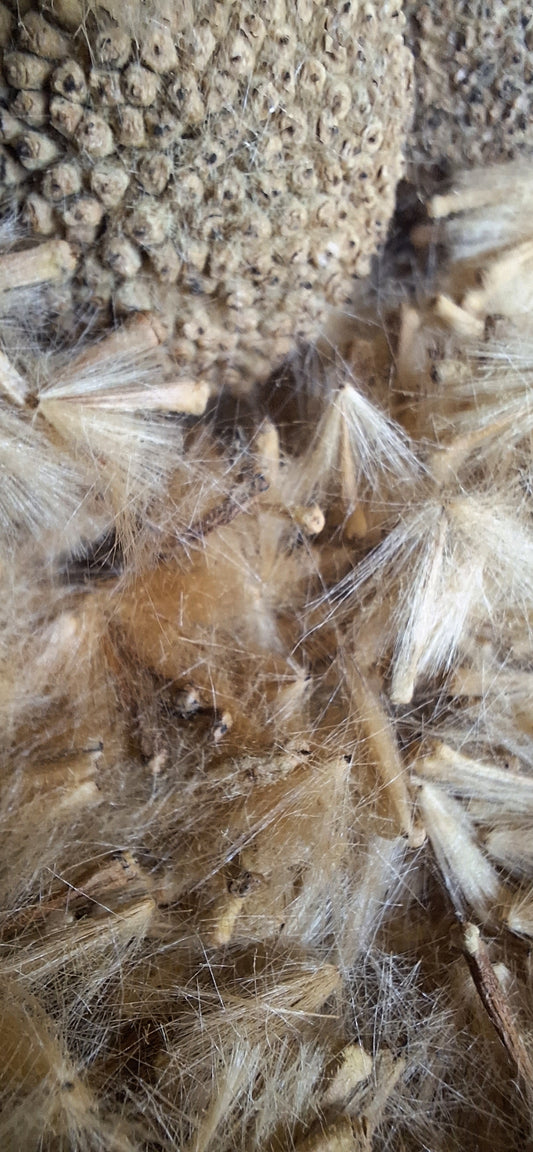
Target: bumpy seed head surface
{"type": "Point", "coordinates": [474, 79]}
{"type": "Point", "coordinates": [233, 165]}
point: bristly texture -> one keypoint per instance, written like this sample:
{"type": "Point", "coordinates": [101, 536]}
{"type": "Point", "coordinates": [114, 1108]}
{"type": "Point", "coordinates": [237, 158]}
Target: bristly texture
{"type": "Point", "coordinates": [219, 163]}
{"type": "Point", "coordinates": [474, 83]}
{"type": "Point", "coordinates": [266, 787]}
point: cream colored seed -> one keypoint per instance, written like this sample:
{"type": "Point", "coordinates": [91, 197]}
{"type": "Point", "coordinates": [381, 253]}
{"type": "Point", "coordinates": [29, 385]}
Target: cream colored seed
{"type": "Point", "coordinates": [149, 223]}
{"type": "Point", "coordinates": [32, 107]}
{"type": "Point", "coordinates": [25, 71]}
{"type": "Point", "coordinates": [158, 51]}
{"type": "Point", "coordinates": [134, 338]}
{"type": "Point", "coordinates": [12, 384]}
{"type": "Point", "coordinates": [133, 295]}
{"type": "Point", "coordinates": [105, 86]}
{"type": "Point", "coordinates": [69, 81]}
{"type": "Point", "coordinates": [87, 211]}
{"type": "Point", "coordinates": [122, 256]}
{"type": "Point", "coordinates": [40, 37]}
{"type": "Point", "coordinates": [130, 127]}
{"type": "Point", "coordinates": [95, 136]}
{"type": "Point", "coordinates": [36, 151]}
{"type": "Point", "coordinates": [140, 86]}
{"type": "Point", "coordinates": [10, 127]}
{"type": "Point", "coordinates": [11, 173]}
{"type": "Point", "coordinates": [184, 95]}
{"type": "Point", "coordinates": [38, 214]}
{"type": "Point", "coordinates": [112, 48]}
{"type": "Point", "coordinates": [162, 126]}
{"type": "Point", "coordinates": [65, 116]}
{"type": "Point", "coordinates": [61, 181]}
{"type": "Point", "coordinates": [50, 261]}
{"type": "Point", "coordinates": [165, 262]}
{"type": "Point", "coordinates": [109, 182]}
{"type": "Point", "coordinates": [354, 1066]}
{"type": "Point", "coordinates": [154, 173]}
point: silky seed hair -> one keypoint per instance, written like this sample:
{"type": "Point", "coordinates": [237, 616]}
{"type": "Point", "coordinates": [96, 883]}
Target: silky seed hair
{"type": "Point", "coordinates": [215, 167]}
{"type": "Point", "coordinates": [264, 692]}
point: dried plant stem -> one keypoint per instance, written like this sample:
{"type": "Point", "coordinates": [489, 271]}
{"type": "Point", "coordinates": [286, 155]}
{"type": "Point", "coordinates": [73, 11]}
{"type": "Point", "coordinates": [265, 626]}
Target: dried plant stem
{"type": "Point", "coordinates": [494, 1001]}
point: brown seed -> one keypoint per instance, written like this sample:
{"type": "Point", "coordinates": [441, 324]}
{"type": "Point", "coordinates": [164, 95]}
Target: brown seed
{"type": "Point", "coordinates": [158, 51]}
{"type": "Point", "coordinates": [95, 136]}
{"type": "Point", "coordinates": [65, 116]}
{"type": "Point", "coordinates": [61, 181]}
{"type": "Point", "coordinates": [32, 107]}
{"type": "Point", "coordinates": [122, 256]}
{"type": "Point", "coordinates": [109, 182]}
{"type": "Point", "coordinates": [38, 214]}
{"type": "Point", "coordinates": [112, 48]}
{"type": "Point", "coordinates": [25, 71]}
{"type": "Point", "coordinates": [69, 81]}
{"type": "Point", "coordinates": [140, 86]}
{"type": "Point", "coordinates": [40, 37]}
{"type": "Point", "coordinates": [35, 150]}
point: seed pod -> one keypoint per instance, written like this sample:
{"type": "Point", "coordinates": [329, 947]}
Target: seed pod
{"type": "Point", "coordinates": [112, 48]}
{"type": "Point", "coordinates": [32, 107]}
{"type": "Point", "coordinates": [25, 71]}
{"type": "Point", "coordinates": [65, 117]}
{"type": "Point", "coordinates": [61, 181]}
{"type": "Point", "coordinates": [38, 215]}
{"type": "Point", "coordinates": [94, 136]}
{"type": "Point", "coordinates": [35, 150]}
{"type": "Point", "coordinates": [140, 86]}
{"type": "Point", "coordinates": [158, 51]}
{"type": "Point", "coordinates": [69, 81]}
{"type": "Point", "coordinates": [122, 256]}
{"type": "Point", "coordinates": [109, 182]}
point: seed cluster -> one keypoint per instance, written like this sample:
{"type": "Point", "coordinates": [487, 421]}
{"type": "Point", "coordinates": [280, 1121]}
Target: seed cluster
{"type": "Point", "coordinates": [474, 79]}
{"type": "Point", "coordinates": [234, 169]}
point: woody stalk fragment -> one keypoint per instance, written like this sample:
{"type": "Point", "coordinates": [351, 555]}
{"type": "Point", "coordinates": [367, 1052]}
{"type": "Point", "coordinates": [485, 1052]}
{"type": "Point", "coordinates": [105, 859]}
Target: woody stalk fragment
{"type": "Point", "coordinates": [266, 789]}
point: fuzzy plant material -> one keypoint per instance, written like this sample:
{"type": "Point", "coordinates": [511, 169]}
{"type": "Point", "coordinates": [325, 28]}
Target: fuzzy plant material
{"type": "Point", "coordinates": [230, 166]}
{"type": "Point", "coordinates": [474, 81]}
{"type": "Point", "coordinates": [266, 798]}
{"type": "Point", "coordinates": [266, 766]}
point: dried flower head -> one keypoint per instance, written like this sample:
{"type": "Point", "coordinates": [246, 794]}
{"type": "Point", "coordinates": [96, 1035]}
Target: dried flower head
{"type": "Point", "coordinates": [237, 153]}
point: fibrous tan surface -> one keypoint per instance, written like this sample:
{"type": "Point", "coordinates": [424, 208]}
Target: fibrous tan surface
{"type": "Point", "coordinates": [266, 760]}
{"type": "Point", "coordinates": [220, 164]}
{"type": "Point", "coordinates": [473, 79]}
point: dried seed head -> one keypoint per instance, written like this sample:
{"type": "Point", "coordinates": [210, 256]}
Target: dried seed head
{"type": "Point", "coordinates": [473, 80]}
{"type": "Point", "coordinates": [243, 110]}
